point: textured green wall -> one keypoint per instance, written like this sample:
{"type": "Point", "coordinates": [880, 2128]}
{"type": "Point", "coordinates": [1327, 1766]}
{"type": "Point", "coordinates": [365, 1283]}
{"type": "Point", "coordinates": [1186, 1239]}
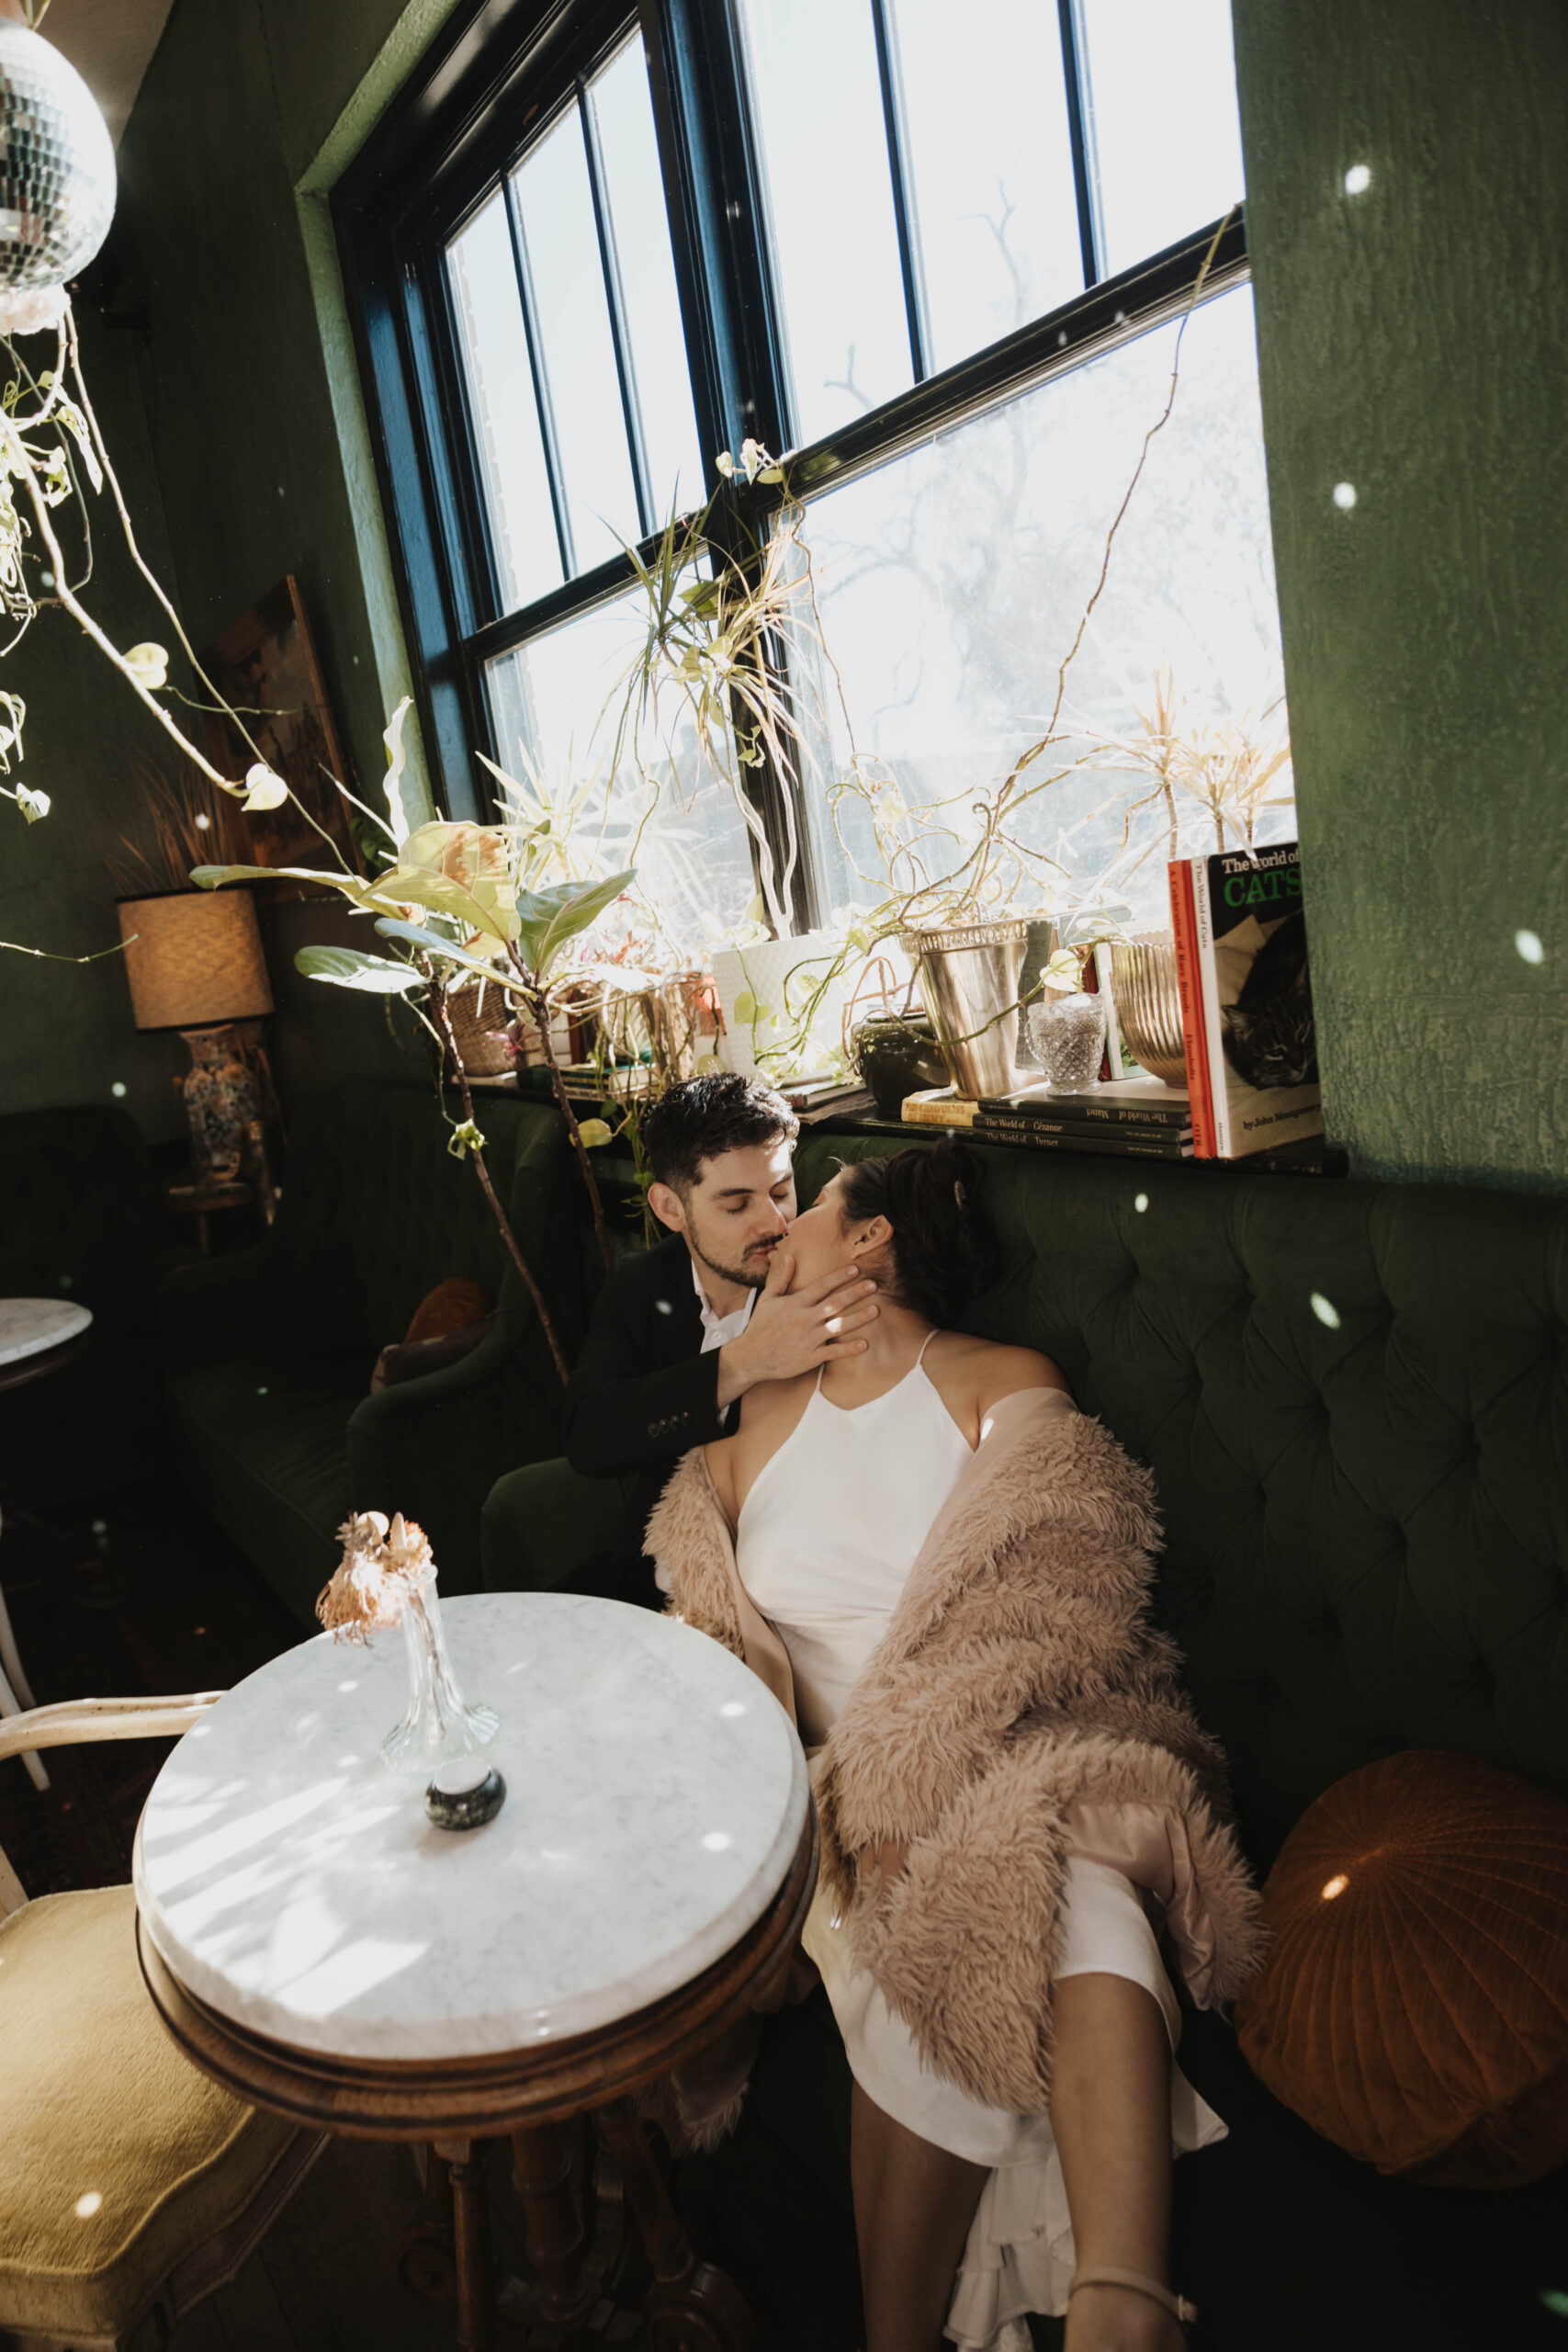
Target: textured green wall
{"type": "Point", "coordinates": [223, 426]}
{"type": "Point", "coordinates": [1414, 343]}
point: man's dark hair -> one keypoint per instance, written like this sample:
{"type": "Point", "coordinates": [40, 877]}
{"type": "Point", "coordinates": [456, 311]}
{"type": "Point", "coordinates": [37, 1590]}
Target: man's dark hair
{"type": "Point", "coordinates": [700, 1117]}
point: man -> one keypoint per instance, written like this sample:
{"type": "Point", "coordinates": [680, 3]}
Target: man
{"type": "Point", "coordinates": [683, 1331]}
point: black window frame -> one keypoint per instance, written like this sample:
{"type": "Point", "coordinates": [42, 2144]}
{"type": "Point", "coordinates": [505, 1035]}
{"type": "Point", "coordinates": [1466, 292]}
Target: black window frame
{"type": "Point", "coordinates": [499, 74]}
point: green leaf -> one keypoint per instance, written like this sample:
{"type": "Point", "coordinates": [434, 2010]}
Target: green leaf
{"type": "Point", "coordinates": [436, 945]}
{"type": "Point", "coordinates": [547, 918]}
{"type": "Point", "coordinates": [595, 1131]}
{"type": "Point", "coordinates": [455, 869]}
{"type": "Point", "coordinates": [349, 968]}
{"type": "Point", "coordinates": [364, 894]}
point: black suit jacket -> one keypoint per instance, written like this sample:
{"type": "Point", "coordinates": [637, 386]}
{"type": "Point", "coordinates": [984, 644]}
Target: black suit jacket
{"type": "Point", "coordinates": [643, 1392]}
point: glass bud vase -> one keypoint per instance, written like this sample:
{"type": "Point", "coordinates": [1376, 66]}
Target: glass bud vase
{"type": "Point", "coordinates": [1068, 1034]}
{"type": "Point", "coordinates": [439, 1724]}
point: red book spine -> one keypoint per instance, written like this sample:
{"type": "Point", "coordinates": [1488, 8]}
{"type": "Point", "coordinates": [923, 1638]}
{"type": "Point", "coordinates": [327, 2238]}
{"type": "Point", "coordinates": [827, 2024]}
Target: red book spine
{"type": "Point", "coordinates": [1189, 980]}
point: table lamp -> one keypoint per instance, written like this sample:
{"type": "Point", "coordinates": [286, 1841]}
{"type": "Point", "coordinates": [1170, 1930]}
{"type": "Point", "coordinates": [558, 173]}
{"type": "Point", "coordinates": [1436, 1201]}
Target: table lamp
{"type": "Point", "coordinates": [194, 960]}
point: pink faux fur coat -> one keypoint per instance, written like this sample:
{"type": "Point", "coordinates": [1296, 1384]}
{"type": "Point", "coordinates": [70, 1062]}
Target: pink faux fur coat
{"type": "Point", "coordinates": [1020, 1708]}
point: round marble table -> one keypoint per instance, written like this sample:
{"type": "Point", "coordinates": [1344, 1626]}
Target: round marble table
{"type": "Point", "coordinates": [37, 1335]}
{"type": "Point", "coordinates": [319, 1945]}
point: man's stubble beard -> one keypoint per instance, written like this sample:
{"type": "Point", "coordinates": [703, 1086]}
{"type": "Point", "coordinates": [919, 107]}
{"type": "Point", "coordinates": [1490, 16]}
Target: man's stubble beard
{"type": "Point", "coordinates": [746, 1277]}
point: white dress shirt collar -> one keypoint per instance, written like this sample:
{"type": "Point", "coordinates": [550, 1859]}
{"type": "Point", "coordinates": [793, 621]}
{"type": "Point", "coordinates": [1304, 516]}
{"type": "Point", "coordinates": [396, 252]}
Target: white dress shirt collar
{"type": "Point", "coordinates": [719, 1330]}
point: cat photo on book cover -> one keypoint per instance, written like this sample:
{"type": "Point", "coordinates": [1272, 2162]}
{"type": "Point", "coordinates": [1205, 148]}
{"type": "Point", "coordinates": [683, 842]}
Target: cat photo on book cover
{"type": "Point", "coordinates": [1269, 1038]}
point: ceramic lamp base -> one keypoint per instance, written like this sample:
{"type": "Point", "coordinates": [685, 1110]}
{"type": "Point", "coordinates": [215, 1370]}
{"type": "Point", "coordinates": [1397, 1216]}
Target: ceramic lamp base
{"type": "Point", "coordinates": [222, 1098]}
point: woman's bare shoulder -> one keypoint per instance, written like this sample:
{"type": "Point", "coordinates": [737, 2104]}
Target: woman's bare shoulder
{"type": "Point", "coordinates": [990, 1370]}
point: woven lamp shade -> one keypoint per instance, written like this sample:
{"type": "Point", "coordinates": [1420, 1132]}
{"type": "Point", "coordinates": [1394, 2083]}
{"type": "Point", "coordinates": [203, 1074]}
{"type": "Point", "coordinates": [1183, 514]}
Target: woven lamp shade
{"type": "Point", "coordinates": [194, 958]}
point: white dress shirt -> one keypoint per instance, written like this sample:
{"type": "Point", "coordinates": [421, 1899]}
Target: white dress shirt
{"type": "Point", "coordinates": [719, 1330]}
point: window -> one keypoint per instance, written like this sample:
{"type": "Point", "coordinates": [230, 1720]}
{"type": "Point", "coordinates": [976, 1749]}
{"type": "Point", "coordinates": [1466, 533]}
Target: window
{"type": "Point", "coordinates": [942, 260]}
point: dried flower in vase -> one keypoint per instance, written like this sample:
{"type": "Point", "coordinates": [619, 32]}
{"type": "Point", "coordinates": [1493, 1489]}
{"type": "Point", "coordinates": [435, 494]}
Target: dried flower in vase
{"type": "Point", "coordinates": [383, 1565]}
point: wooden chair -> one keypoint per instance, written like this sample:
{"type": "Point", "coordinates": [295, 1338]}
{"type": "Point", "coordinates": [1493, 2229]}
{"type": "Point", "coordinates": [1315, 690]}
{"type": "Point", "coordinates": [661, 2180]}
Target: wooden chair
{"type": "Point", "coordinates": [131, 2186]}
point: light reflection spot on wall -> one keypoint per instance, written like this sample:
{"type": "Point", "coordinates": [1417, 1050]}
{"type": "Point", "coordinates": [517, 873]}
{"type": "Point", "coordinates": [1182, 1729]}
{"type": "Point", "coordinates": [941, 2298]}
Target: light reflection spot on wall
{"type": "Point", "coordinates": [88, 2203]}
{"type": "Point", "coordinates": [1357, 179]}
{"type": "Point", "coordinates": [1141, 1204]}
{"type": "Point", "coordinates": [1343, 496]}
{"type": "Point", "coordinates": [118, 1090]}
{"type": "Point", "coordinates": [1530, 946]}
{"type": "Point", "coordinates": [1325, 1311]}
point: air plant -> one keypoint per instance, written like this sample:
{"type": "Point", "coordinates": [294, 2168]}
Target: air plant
{"type": "Point", "coordinates": [732, 629]}
{"type": "Point", "coordinates": [1225, 766]}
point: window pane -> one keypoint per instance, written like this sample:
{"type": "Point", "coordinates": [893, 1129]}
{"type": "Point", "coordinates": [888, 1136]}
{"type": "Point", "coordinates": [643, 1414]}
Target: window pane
{"type": "Point", "coordinates": [635, 192]}
{"type": "Point", "coordinates": [501, 394]}
{"type": "Point", "coordinates": [991, 162]}
{"type": "Point", "coordinates": [555, 703]}
{"type": "Point", "coordinates": [1164, 132]}
{"type": "Point", "coordinates": [573, 321]}
{"type": "Point", "coordinates": [816, 99]}
{"type": "Point", "coordinates": [952, 580]}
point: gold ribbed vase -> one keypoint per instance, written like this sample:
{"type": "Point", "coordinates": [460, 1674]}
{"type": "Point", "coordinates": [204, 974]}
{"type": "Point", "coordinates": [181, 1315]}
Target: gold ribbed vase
{"type": "Point", "coordinates": [1148, 1005]}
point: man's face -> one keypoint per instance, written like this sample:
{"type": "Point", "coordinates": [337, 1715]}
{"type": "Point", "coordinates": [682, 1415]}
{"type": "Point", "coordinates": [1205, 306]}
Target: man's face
{"type": "Point", "coordinates": [738, 1211]}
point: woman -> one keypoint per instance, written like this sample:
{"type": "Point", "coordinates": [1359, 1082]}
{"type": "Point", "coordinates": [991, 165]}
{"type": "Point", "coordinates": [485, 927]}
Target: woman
{"type": "Point", "coordinates": [942, 1567]}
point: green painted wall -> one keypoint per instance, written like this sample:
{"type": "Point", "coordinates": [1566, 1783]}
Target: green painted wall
{"type": "Point", "coordinates": [1414, 343]}
{"type": "Point", "coordinates": [228, 434]}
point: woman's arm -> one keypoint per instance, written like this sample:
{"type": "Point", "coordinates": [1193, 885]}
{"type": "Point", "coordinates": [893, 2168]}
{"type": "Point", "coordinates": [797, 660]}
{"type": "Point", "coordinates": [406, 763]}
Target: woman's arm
{"type": "Point", "coordinates": [720, 1456]}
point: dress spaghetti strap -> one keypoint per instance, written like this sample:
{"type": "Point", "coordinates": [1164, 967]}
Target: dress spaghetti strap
{"type": "Point", "coordinates": [925, 1343]}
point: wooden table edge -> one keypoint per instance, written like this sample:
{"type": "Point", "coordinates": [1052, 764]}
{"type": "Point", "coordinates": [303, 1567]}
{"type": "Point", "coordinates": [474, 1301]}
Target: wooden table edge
{"type": "Point", "coordinates": [484, 2096]}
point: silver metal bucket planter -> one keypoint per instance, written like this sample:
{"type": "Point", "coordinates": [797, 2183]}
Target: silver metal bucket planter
{"type": "Point", "coordinates": [1148, 1005]}
{"type": "Point", "coordinates": [969, 975]}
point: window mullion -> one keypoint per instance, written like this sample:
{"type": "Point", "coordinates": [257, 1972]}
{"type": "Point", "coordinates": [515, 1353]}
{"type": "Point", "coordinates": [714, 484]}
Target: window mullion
{"type": "Point", "coordinates": [609, 262]}
{"type": "Point", "coordinates": [895, 126]}
{"type": "Point", "coordinates": [538, 370]}
{"type": "Point", "coordinates": [1085, 181]}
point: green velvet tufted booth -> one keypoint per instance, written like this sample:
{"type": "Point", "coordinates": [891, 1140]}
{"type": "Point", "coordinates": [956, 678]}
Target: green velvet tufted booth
{"type": "Point", "coordinates": [270, 1351]}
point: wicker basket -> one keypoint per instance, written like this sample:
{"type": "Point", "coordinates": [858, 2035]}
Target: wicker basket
{"type": "Point", "coordinates": [477, 1026]}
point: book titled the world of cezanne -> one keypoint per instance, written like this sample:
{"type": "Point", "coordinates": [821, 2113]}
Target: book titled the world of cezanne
{"type": "Point", "coordinates": [1241, 963]}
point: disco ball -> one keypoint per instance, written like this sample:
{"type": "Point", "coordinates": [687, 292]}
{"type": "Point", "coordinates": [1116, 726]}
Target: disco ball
{"type": "Point", "coordinates": [57, 184]}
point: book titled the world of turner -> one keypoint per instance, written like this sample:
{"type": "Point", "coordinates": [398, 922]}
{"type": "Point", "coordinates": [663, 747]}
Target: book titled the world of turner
{"type": "Point", "coordinates": [1241, 964]}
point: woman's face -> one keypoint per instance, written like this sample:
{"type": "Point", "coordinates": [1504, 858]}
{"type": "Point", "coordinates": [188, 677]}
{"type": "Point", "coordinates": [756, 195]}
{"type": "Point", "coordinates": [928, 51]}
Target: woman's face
{"type": "Point", "coordinates": [823, 1240]}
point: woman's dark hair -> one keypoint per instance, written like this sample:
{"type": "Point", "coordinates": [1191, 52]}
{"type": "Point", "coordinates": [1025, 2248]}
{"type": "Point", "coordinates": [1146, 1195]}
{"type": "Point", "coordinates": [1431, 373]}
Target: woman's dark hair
{"type": "Point", "coordinates": [944, 1246]}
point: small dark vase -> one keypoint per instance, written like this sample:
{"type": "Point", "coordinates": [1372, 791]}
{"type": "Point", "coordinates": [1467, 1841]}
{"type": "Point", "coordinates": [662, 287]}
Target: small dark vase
{"type": "Point", "coordinates": [896, 1053]}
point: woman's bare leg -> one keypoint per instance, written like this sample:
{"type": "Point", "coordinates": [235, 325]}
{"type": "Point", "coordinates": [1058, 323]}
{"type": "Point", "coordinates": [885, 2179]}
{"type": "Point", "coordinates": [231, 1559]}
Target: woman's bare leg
{"type": "Point", "coordinates": [913, 2207]}
{"type": "Point", "coordinates": [1110, 2115]}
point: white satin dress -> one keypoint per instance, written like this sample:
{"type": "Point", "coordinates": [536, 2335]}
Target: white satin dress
{"type": "Point", "coordinates": [826, 1541]}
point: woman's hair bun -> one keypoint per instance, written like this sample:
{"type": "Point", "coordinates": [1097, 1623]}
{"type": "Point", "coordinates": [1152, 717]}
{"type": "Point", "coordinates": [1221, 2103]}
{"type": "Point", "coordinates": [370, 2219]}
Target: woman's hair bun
{"type": "Point", "coordinates": [944, 1246]}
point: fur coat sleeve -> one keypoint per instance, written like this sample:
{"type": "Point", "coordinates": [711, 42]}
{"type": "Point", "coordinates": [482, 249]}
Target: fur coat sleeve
{"type": "Point", "coordinates": [1020, 1708]}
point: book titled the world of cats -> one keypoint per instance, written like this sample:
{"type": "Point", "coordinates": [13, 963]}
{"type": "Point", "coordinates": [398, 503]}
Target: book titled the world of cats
{"type": "Point", "coordinates": [1241, 962]}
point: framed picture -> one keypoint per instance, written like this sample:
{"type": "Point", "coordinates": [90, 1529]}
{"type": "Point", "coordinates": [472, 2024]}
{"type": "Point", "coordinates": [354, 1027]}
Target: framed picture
{"type": "Point", "coordinates": [266, 667]}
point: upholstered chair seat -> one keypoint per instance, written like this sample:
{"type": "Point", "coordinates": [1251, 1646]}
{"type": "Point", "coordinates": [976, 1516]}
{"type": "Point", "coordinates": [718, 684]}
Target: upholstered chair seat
{"type": "Point", "coordinates": [130, 2184]}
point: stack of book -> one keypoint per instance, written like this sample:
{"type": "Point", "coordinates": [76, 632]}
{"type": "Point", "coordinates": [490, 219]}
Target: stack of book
{"type": "Point", "coordinates": [1247, 1022]}
{"type": "Point", "coordinates": [814, 1099]}
{"type": "Point", "coordinates": [1132, 1118]}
